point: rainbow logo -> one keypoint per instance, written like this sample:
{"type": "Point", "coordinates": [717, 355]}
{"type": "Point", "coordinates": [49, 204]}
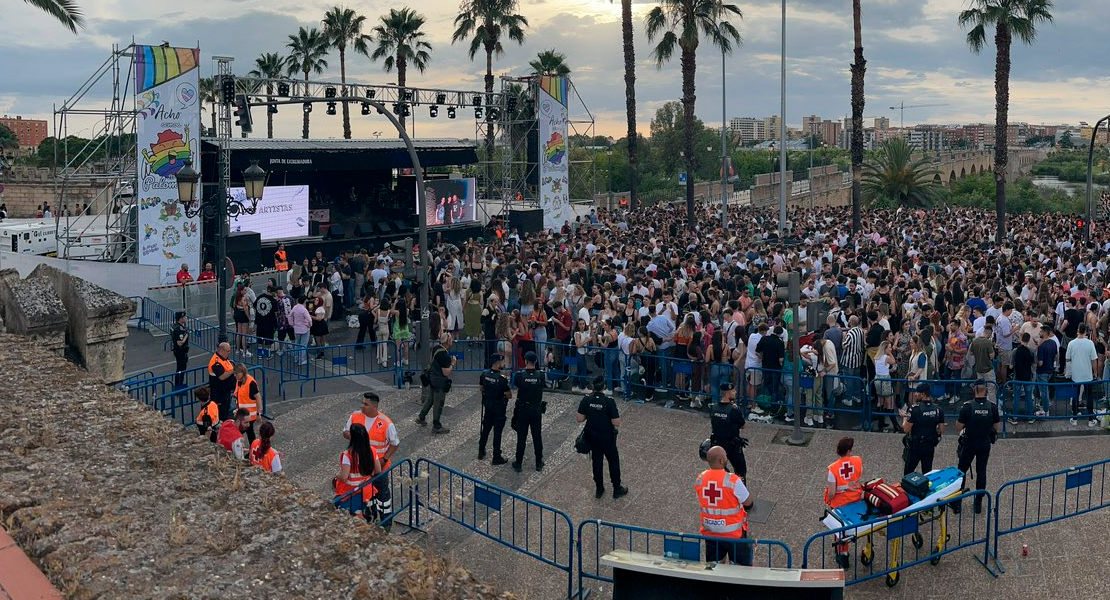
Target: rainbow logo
{"type": "Point", "coordinates": [167, 156]}
{"type": "Point", "coordinates": [556, 86]}
{"type": "Point", "coordinates": [555, 149]}
{"type": "Point", "coordinates": [155, 65]}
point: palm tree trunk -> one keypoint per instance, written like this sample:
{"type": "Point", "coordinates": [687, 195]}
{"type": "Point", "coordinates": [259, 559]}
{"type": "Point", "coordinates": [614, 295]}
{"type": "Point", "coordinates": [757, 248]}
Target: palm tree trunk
{"type": "Point", "coordinates": [859, 68]}
{"type": "Point", "coordinates": [402, 79]}
{"type": "Point", "coordinates": [212, 112]}
{"type": "Point", "coordinates": [304, 126]}
{"type": "Point", "coordinates": [269, 115]}
{"type": "Point", "coordinates": [1002, 39]}
{"type": "Point", "coordinates": [630, 98]}
{"type": "Point", "coordinates": [489, 124]}
{"type": "Point", "coordinates": [689, 70]}
{"type": "Point", "coordinates": [343, 81]}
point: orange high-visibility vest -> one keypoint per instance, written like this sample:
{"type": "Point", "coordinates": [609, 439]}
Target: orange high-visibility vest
{"type": "Point", "coordinates": [267, 461]}
{"type": "Point", "coordinates": [378, 431]}
{"type": "Point", "coordinates": [354, 479]}
{"type": "Point", "coordinates": [243, 397]}
{"type": "Point", "coordinates": [722, 514]}
{"type": "Point", "coordinates": [847, 472]}
{"type": "Point", "coordinates": [211, 411]}
{"type": "Point", "coordinates": [228, 367]}
{"type": "Point", "coordinates": [281, 260]}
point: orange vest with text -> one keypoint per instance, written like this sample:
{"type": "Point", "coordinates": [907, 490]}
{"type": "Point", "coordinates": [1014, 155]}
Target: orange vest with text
{"type": "Point", "coordinates": [267, 460]}
{"type": "Point", "coordinates": [379, 439]}
{"type": "Point", "coordinates": [354, 480]}
{"type": "Point", "coordinates": [281, 260]}
{"type": "Point", "coordinates": [722, 514]}
{"type": "Point", "coordinates": [243, 397]}
{"type": "Point", "coordinates": [847, 472]}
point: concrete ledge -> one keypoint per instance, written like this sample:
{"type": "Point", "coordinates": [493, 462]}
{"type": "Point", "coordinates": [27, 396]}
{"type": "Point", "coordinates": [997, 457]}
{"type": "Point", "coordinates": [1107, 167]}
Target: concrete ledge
{"type": "Point", "coordinates": [20, 579]}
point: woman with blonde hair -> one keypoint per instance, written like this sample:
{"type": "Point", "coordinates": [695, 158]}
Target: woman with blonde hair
{"type": "Point", "coordinates": [884, 387]}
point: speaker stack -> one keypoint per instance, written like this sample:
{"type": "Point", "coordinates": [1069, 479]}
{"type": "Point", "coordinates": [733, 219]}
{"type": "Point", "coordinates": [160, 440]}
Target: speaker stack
{"type": "Point", "coordinates": [526, 220]}
{"type": "Point", "coordinates": [244, 249]}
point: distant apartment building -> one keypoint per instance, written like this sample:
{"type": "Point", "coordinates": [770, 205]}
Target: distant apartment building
{"type": "Point", "coordinates": [771, 127]}
{"type": "Point", "coordinates": [29, 132]}
{"type": "Point", "coordinates": [882, 123]}
{"type": "Point", "coordinates": [829, 132]}
{"type": "Point", "coordinates": [810, 124]}
{"type": "Point", "coordinates": [748, 129]}
{"type": "Point", "coordinates": [927, 138]}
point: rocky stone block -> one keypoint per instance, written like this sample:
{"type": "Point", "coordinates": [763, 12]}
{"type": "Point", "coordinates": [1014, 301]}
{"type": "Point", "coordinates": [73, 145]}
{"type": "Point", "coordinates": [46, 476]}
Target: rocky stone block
{"type": "Point", "coordinates": [32, 307]}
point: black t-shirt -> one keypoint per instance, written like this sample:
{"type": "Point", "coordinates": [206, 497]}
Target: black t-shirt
{"type": "Point", "coordinates": [772, 349]}
{"type": "Point", "coordinates": [726, 421]}
{"type": "Point", "coordinates": [1074, 317]}
{"type": "Point", "coordinates": [529, 384]}
{"type": "Point", "coordinates": [179, 334]}
{"type": "Point", "coordinates": [875, 335]}
{"type": "Point", "coordinates": [494, 387]}
{"type": "Point", "coordinates": [599, 410]}
{"type": "Point", "coordinates": [925, 417]}
{"type": "Point", "coordinates": [1024, 363]}
{"type": "Point", "coordinates": [979, 417]}
{"type": "Point", "coordinates": [264, 315]}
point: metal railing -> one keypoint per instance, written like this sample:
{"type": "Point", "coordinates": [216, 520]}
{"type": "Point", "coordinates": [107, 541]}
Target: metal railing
{"type": "Point", "coordinates": [400, 481]}
{"type": "Point", "coordinates": [825, 397]}
{"type": "Point", "coordinates": [1022, 400]}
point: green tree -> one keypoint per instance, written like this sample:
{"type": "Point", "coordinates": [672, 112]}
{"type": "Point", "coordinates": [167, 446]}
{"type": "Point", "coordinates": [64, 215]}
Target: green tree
{"type": "Point", "coordinates": [401, 42]}
{"type": "Point", "coordinates": [895, 176]}
{"type": "Point", "coordinates": [859, 70]}
{"type": "Point", "coordinates": [550, 62]}
{"type": "Point", "coordinates": [630, 101]}
{"type": "Point", "coordinates": [209, 93]}
{"type": "Point", "coordinates": [269, 65]}
{"type": "Point", "coordinates": [1009, 18]}
{"type": "Point", "coordinates": [679, 25]}
{"type": "Point", "coordinates": [8, 140]}
{"type": "Point", "coordinates": [308, 50]}
{"type": "Point", "coordinates": [488, 23]}
{"type": "Point", "coordinates": [1065, 141]}
{"type": "Point", "coordinates": [65, 11]}
{"type": "Point", "coordinates": [343, 28]}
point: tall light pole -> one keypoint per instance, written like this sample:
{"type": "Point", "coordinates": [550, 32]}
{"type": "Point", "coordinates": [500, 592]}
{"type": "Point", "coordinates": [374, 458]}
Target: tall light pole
{"type": "Point", "coordinates": [724, 153]}
{"type": "Point", "coordinates": [609, 168]}
{"type": "Point", "coordinates": [782, 133]}
{"type": "Point", "coordinates": [1091, 177]}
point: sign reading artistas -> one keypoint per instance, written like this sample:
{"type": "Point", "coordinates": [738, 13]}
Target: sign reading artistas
{"type": "Point", "coordinates": [168, 108]}
{"type": "Point", "coordinates": [282, 213]}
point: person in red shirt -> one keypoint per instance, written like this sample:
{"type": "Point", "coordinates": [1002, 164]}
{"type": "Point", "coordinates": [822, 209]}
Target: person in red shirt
{"type": "Point", "coordinates": [207, 274]}
{"type": "Point", "coordinates": [184, 276]}
{"type": "Point", "coordinates": [231, 433]}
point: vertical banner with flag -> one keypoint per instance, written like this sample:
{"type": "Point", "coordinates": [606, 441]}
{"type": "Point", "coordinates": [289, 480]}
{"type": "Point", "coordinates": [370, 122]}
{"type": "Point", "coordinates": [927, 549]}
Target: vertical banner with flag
{"type": "Point", "coordinates": [553, 159]}
{"type": "Point", "coordinates": [167, 101]}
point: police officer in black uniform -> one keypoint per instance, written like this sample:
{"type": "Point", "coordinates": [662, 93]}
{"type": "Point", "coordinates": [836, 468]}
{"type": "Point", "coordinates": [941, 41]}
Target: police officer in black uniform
{"type": "Point", "coordinates": [923, 426]}
{"type": "Point", "coordinates": [179, 338]}
{"type": "Point", "coordinates": [979, 423]}
{"type": "Point", "coordinates": [529, 409]}
{"type": "Point", "coordinates": [726, 420]}
{"type": "Point", "coordinates": [495, 403]}
{"type": "Point", "coordinates": [602, 419]}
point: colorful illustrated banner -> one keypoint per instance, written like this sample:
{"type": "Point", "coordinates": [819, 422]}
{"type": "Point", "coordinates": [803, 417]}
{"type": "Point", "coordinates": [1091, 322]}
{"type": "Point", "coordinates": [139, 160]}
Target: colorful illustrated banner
{"type": "Point", "coordinates": [554, 172]}
{"type": "Point", "coordinates": [167, 83]}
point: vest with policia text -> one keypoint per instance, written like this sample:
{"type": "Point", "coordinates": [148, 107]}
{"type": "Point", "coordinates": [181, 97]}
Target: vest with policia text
{"type": "Point", "coordinates": [847, 472]}
{"type": "Point", "coordinates": [722, 514]}
{"type": "Point", "coordinates": [378, 432]}
{"type": "Point", "coordinates": [243, 397]}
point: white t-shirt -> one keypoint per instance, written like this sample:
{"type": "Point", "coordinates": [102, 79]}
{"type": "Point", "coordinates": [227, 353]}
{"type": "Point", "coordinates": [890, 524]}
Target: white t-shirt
{"type": "Point", "coordinates": [1081, 351]}
{"type": "Point", "coordinates": [752, 360]}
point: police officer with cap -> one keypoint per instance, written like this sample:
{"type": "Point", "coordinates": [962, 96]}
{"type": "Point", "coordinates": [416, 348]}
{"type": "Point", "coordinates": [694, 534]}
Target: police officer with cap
{"type": "Point", "coordinates": [726, 420]}
{"type": "Point", "coordinates": [529, 409]}
{"type": "Point", "coordinates": [602, 419]}
{"type": "Point", "coordinates": [923, 426]}
{"type": "Point", "coordinates": [979, 423]}
{"type": "Point", "coordinates": [495, 402]}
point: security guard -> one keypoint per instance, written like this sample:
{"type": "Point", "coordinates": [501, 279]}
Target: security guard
{"type": "Point", "coordinates": [248, 396]}
{"type": "Point", "coordinates": [923, 426]}
{"type": "Point", "coordinates": [978, 424]}
{"type": "Point", "coordinates": [725, 502]}
{"type": "Point", "coordinates": [496, 394]}
{"type": "Point", "coordinates": [726, 420]}
{"type": "Point", "coordinates": [179, 337]}
{"type": "Point", "coordinates": [529, 409]}
{"type": "Point", "coordinates": [602, 419]}
{"type": "Point", "coordinates": [221, 380]}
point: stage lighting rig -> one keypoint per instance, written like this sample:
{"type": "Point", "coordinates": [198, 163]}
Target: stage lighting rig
{"type": "Point", "coordinates": [441, 98]}
{"type": "Point", "coordinates": [476, 101]}
{"type": "Point", "coordinates": [331, 109]}
{"type": "Point", "coordinates": [510, 103]}
{"type": "Point", "coordinates": [371, 93]}
{"type": "Point", "coordinates": [433, 111]}
{"type": "Point", "coordinates": [283, 89]}
{"type": "Point", "coordinates": [365, 108]}
{"type": "Point", "coordinates": [478, 113]}
{"type": "Point", "coordinates": [450, 112]}
{"type": "Point", "coordinates": [406, 95]}
{"type": "Point", "coordinates": [329, 92]}
{"type": "Point", "coordinates": [307, 106]}
{"type": "Point", "coordinates": [227, 89]}
{"type": "Point", "coordinates": [493, 114]}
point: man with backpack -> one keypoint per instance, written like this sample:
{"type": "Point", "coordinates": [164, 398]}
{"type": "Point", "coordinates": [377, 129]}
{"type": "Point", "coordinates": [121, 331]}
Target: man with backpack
{"type": "Point", "coordinates": [435, 382]}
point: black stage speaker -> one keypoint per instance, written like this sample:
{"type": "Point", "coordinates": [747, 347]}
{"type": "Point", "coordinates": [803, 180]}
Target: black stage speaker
{"type": "Point", "coordinates": [383, 227]}
{"type": "Point", "coordinates": [364, 229]}
{"type": "Point", "coordinates": [313, 228]}
{"type": "Point", "coordinates": [526, 220]}
{"type": "Point", "coordinates": [401, 225]}
{"type": "Point", "coordinates": [245, 250]}
{"type": "Point", "coordinates": [336, 232]}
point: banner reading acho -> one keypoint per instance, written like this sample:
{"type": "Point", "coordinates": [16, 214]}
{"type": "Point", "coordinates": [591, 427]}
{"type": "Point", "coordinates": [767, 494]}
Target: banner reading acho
{"type": "Point", "coordinates": [167, 100]}
{"type": "Point", "coordinates": [554, 171]}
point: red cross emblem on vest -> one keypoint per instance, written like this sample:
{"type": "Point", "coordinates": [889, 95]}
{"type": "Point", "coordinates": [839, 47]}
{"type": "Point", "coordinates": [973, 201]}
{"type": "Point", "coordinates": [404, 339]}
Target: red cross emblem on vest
{"type": "Point", "coordinates": [712, 493]}
{"type": "Point", "coordinates": [846, 470]}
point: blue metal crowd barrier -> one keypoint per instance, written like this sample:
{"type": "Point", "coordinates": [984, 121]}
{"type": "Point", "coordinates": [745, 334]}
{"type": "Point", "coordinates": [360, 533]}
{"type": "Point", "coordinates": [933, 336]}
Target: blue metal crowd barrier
{"type": "Point", "coordinates": [135, 378]}
{"type": "Point", "coordinates": [607, 537]}
{"type": "Point", "coordinates": [529, 527]}
{"type": "Point", "coordinates": [145, 391]}
{"type": "Point", "coordinates": [326, 362]}
{"type": "Point", "coordinates": [1036, 501]}
{"type": "Point", "coordinates": [181, 405]}
{"type": "Point", "coordinates": [835, 397]}
{"type": "Point", "coordinates": [1022, 400]}
{"type": "Point", "coordinates": [931, 536]}
{"type": "Point", "coordinates": [947, 394]}
{"type": "Point", "coordinates": [400, 480]}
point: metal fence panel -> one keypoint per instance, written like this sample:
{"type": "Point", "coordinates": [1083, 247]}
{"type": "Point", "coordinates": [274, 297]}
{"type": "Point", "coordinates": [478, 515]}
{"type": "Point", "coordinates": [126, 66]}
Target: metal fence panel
{"type": "Point", "coordinates": [828, 398]}
{"type": "Point", "coordinates": [399, 478]}
{"type": "Point", "coordinates": [1022, 400]}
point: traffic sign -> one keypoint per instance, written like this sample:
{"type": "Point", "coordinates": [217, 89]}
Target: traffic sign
{"type": "Point", "coordinates": [682, 178]}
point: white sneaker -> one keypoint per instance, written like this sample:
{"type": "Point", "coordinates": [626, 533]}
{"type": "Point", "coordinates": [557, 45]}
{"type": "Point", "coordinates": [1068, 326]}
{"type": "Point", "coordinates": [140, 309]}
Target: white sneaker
{"type": "Point", "coordinates": [808, 421]}
{"type": "Point", "coordinates": [1073, 422]}
{"type": "Point", "coordinates": [247, 353]}
{"type": "Point", "coordinates": [1092, 423]}
{"type": "Point", "coordinates": [789, 419]}
{"type": "Point", "coordinates": [756, 409]}
{"type": "Point", "coordinates": [607, 392]}
{"type": "Point", "coordinates": [820, 419]}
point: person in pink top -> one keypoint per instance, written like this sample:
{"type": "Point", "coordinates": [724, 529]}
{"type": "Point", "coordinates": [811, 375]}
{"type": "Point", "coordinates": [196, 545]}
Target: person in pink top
{"type": "Point", "coordinates": [302, 326]}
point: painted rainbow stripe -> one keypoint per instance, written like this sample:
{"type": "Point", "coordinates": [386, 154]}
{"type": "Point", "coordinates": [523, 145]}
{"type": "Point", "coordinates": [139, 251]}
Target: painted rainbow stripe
{"type": "Point", "coordinates": [155, 65]}
{"type": "Point", "coordinates": [556, 86]}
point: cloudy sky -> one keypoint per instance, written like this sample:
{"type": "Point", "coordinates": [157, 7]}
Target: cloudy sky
{"type": "Point", "coordinates": [916, 54]}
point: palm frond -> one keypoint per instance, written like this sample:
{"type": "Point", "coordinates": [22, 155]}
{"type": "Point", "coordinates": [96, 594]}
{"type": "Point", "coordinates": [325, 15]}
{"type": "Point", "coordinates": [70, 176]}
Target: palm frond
{"type": "Point", "coordinates": [65, 11]}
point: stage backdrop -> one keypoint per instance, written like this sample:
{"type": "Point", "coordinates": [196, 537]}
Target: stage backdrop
{"type": "Point", "coordinates": [554, 173]}
{"type": "Point", "coordinates": [282, 213]}
{"type": "Point", "coordinates": [168, 103]}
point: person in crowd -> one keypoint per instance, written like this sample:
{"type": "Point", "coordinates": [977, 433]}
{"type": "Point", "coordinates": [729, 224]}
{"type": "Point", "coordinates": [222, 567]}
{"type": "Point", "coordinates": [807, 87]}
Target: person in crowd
{"type": "Point", "coordinates": [435, 382]}
{"type": "Point", "coordinates": [599, 412]}
{"type": "Point", "coordinates": [923, 425]}
{"type": "Point", "coordinates": [248, 396]}
{"type": "Point", "coordinates": [262, 452]}
{"type": "Point", "coordinates": [231, 433]}
{"type": "Point", "coordinates": [319, 327]}
{"type": "Point", "coordinates": [179, 343]}
{"type": "Point", "coordinates": [183, 275]}
{"type": "Point", "coordinates": [725, 502]}
{"type": "Point", "coordinates": [221, 378]}
{"type": "Point", "coordinates": [207, 273]}
{"type": "Point", "coordinates": [265, 317]}
{"type": "Point", "coordinates": [528, 411]}
{"type": "Point", "coordinates": [208, 419]}
{"type": "Point", "coordinates": [1082, 362]}
{"type": "Point", "coordinates": [241, 315]}
{"type": "Point", "coordinates": [977, 425]}
{"type": "Point", "coordinates": [726, 420]}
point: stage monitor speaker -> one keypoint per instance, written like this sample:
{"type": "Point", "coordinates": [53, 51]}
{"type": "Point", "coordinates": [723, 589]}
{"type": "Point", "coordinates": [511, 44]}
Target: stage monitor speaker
{"type": "Point", "coordinates": [526, 220]}
{"type": "Point", "coordinates": [313, 228]}
{"type": "Point", "coordinates": [364, 229]}
{"type": "Point", "coordinates": [383, 227]}
{"type": "Point", "coordinates": [401, 225]}
{"type": "Point", "coordinates": [245, 249]}
{"type": "Point", "coordinates": [337, 231]}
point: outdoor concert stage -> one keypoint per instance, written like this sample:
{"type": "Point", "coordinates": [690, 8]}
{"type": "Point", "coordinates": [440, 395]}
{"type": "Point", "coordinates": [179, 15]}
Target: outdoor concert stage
{"type": "Point", "coordinates": [359, 192]}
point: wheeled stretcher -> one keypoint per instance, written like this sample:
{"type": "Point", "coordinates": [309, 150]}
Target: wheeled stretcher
{"type": "Point", "coordinates": [943, 484]}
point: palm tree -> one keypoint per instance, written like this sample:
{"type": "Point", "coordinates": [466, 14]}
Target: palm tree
{"type": "Point", "coordinates": [65, 11]}
{"type": "Point", "coordinates": [209, 91]}
{"type": "Point", "coordinates": [343, 27]}
{"type": "Point", "coordinates": [678, 23]}
{"type": "Point", "coordinates": [896, 175]}
{"type": "Point", "coordinates": [487, 23]}
{"type": "Point", "coordinates": [307, 52]}
{"type": "Point", "coordinates": [269, 65]}
{"type": "Point", "coordinates": [550, 62]}
{"type": "Point", "coordinates": [630, 97]}
{"type": "Point", "coordinates": [1009, 18]}
{"type": "Point", "coordinates": [859, 68]}
{"type": "Point", "coordinates": [400, 42]}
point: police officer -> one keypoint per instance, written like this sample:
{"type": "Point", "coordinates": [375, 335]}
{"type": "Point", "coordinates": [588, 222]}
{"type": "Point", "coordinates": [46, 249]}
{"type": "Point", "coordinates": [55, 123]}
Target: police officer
{"type": "Point", "coordinates": [726, 420]}
{"type": "Point", "coordinates": [179, 337]}
{"type": "Point", "coordinates": [978, 424]}
{"type": "Point", "coordinates": [923, 426]}
{"type": "Point", "coordinates": [602, 419]}
{"type": "Point", "coordinates": [495, 401]}
{"type": "Point", "coordinates": [529, 409]}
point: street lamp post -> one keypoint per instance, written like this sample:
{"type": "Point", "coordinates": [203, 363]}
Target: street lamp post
{"type": "Point", "coordinates": [782, 133]}
{"type": "Point", "coordinates": [1091, 178]}
{"type": "Point", "coordinates": [221, 207]}
{"type": "Point", "coordinates": [609, 168]}
{"type": "Point", "coordinates": [724, 144]}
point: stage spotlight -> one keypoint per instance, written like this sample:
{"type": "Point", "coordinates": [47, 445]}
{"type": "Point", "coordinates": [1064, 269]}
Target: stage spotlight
{"type": "Point", "coordinates": [307, 107]}
{"type": "Point", "coordinates": [441, 98]}
{"type": "Point", "coordinates": [476, 100]}
{"type": "Point", "coordinates": [478, 113]}
{"type": "Point", "coordinates": [511, 104]}
{"type": "Point", "coordinates": [493, 114]}
{"type": "Point", "coordinates": [283, 89]}
{"type": "Point", "coordinates": [227, 89]}
{"type": "Point", "coordinates": [371, 93]}
{"type": "Point", "coordinates": [365, 108]}
{"type": "Point", "coordinates": [405, 110]}
{"type": "Point", "coordinates": [450, 112]}
{"type": "Point", "coordinates": [329, 92]}
{"type": "Point", "coordinates": [433, 111]}
{"type": "Point", "coordinates": [406, 95]}
{"type": "Point", "coordinates": [331, 108]}
{"type": "Point", "coordinates": [272, 109]}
